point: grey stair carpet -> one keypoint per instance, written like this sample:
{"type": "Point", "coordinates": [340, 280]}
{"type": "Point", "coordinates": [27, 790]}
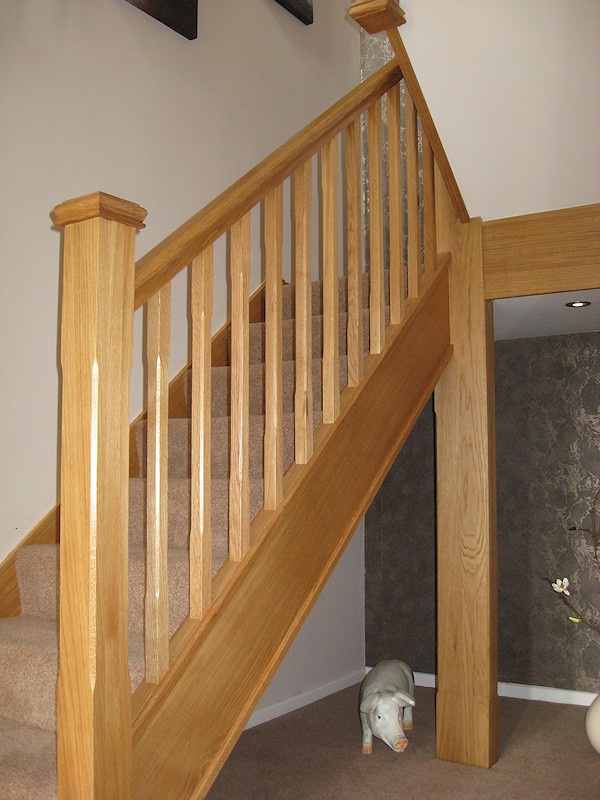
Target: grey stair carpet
{"type": "Point", "coordinates": [29, 643]}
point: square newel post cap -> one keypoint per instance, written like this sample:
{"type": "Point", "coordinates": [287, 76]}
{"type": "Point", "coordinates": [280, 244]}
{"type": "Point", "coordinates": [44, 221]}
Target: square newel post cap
{"type": "Point", "coordinates": [377, 15]}
{"type": "Point", "coordinates": [102, 205]}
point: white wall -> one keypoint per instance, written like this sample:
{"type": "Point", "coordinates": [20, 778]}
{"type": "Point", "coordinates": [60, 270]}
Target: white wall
{"type": "Point", "coordinates": [513, 89]}
{"type": "Point", "coordinates": [329, 652]}
{"type": "Point", "coordinates": [97, 95]}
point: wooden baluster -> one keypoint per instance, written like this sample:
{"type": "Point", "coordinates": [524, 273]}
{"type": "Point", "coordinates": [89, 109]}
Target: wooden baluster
{"type": "Point", "coordinates": [200, 529]}
{"type": "Point", "coordinates": [273, 465]}
{"type": "Point", "coordinates": [239, 480]}
{"type": "Point", "coordinates": [354, 255]}
{"type": "Point", "coordinates": [303, 400]}
{"type": "Point", "coordinates": [156, 626]}
{"type": "Point", "coordinates": [94, 692]}
{"type": "Point", "coordinates": [395, 200]}
{"type": "Point", "coordinates": [429, 235]}
{"type": "Point", "coordinates": [331, 340]}
{"type": "Point", "coordinates": [376, 290]}
{"type": "Point", "coordinates": [412, 194]}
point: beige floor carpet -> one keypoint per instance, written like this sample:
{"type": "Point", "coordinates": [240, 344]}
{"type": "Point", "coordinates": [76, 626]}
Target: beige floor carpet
{"type": "Point", "coordinates": [315, 753]}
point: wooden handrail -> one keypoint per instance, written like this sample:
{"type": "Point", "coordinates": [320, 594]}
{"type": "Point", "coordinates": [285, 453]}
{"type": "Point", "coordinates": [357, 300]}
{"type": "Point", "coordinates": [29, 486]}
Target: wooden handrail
{"type": "Point", "coordinates": [175, 252]}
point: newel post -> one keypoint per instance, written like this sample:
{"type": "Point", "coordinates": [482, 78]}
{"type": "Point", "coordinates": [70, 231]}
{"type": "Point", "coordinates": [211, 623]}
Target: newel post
{"type": "Point", "coordinates": [94, 696]}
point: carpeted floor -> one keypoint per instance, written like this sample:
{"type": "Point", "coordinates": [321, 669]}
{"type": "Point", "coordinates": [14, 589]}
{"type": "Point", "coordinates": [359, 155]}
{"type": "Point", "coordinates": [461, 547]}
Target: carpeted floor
{"type": "Point", "coordinates": [315, 753]}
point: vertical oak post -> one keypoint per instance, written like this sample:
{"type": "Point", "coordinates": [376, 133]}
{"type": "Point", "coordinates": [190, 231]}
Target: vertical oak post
{"type": "Point", "coordinates": [94, 694]}
{"type": "Point", "coordinates": [354, 256]}
{"type": "Point", "coordinates": [303, 398]}
{"type": "Point", "coordinates": [156, 626]}
{"type": "Point", "coordinates": [395, 202]}
{"type": "Point", "coordinates": [200, 528]}
{"type": "Point", "coordinates": [467, 703]}
{"type": "Point", "coordinates": [412, 197]}
{"type": "Point", "coordinates": [376, 276]}
{"type": "Point", "coordinates": [239, 478]}
{"type": "Point", "coordinates": [273, 466]}
{"type": "Point", "coordinates": [331, 337]}
{"type": "Point", "coordinates": [429, 242]}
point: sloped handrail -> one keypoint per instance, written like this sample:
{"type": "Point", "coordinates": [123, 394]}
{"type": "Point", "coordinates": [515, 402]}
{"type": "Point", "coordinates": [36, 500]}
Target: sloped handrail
{"type": "Point", "coordinates": [178, 249]}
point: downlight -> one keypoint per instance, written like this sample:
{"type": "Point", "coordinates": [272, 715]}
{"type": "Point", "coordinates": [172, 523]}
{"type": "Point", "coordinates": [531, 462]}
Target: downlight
{"type": "Point", "coordinates": [578, 304]}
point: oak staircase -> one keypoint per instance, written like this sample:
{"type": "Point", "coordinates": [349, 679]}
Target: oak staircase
{"type": "Point", "coordinates": [188, 564]}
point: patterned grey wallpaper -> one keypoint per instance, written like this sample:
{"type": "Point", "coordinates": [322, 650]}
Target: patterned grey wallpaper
{"type": "Point", "coordinates": [548, 468]}
{"type": "Point", "coordinates": [400, 554]}
{"type": "Point", "coordinates": [548, 450]}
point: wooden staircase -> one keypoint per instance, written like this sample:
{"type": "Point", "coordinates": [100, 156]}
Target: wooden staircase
{"type": "Point", "coordinates": [200, 686]}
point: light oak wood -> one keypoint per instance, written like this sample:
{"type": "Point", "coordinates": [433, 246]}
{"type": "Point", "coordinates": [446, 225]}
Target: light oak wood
{"type": "Point", "coordinates": [395, 203]}
{"type": "Point", "coordinates": [94, 697]}
{"type": "Point", "coordinates": [466, 707]}
{"type": "Point", "coordinates": [376, 291]}
{"type": "Point", "coordinates": [413, 222]}
{"type": "Point", "coordinates": [414, 89]}
{"type": "Point", "coordinates": [200, 529]}
{"type": "Point", "coordinates": [354, 254]}
{"type": "Point", "coordinates": [239, 478]}
{"type": "Point", "coordinates": [555, 251]}
{"type": "Point", "coordinates": [331, 339]}
{"type": "Point", "coordinates": [429, 237]}
{"type": "Point", "coordinates": [98, 205]}
{"type": "Point", "coordinates": [156, 623]}
{"type": "Point", "coordinates": [273, 449]}
{"type": "Point", "coordinates": [303, 398]}
{"type": "Point", "coordinates": [47, 530]}
{"type": "Point", "coordinates": [225, 665]}
{"type": "Point", "coordinates": [164, 261]}
{"type": "Point", "coordinates": [377, 15]}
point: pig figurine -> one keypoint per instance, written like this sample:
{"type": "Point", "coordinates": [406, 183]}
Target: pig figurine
{"type": "Point", "coordinates": [386, 701]}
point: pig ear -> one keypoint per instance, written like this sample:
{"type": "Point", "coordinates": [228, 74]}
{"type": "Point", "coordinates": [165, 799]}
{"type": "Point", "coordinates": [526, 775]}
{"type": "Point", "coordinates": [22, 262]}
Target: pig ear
{"type": "Point", "coordinates": [369, 703]}
{"type": "Point", "coordinates": [404, 699]}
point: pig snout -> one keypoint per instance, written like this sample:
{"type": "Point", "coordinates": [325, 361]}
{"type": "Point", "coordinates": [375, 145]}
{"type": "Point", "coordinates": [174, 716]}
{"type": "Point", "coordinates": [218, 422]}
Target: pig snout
{"type": "Point", "coordinates": [400, 745]}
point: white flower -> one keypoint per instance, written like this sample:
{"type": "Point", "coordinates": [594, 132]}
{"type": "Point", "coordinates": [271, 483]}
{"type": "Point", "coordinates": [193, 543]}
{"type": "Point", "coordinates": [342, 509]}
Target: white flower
{"type": "Point", "coordinates": [561, 586]}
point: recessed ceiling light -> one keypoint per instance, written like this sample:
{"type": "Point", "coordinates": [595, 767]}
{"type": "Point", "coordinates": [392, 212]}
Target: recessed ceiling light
{"type": "Point", "coordinates": [578, 304]}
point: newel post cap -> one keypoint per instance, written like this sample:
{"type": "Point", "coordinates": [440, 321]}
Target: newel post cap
{"type": "Point", "coordinates": [100, 204]}
{"type": "Point", "coordinates": [377, 15]}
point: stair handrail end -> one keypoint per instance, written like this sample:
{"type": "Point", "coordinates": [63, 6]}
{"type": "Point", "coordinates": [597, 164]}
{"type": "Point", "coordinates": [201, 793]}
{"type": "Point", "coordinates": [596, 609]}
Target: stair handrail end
{"type": "Point", "coordinates": [99, 204]}
{"type": "Point", "coordinates": [376, 16]}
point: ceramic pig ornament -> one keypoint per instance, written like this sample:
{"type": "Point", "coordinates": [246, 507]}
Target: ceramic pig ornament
{"type": "Point", "coordinates": [386, 701]}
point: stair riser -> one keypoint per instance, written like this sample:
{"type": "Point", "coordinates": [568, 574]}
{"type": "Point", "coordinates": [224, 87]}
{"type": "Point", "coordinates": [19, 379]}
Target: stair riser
{"type": "Point", "coordinates": [257, 338]}
{"type": "Point", "coordinates": [38, 566]}
{"type": "Point", "coordinates": [31, 701]}
{"type": "Point", "coordinates": [180, 446]}
{"type": "Point", "coordinates": [289, 304]}
{"type": "Point", "coordinates": [221, 387]}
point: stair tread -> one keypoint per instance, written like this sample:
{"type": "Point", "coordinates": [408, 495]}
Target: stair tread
{"type": "Point", "coordinates": [29, 669]}
{"type": "Point", "coordinates": [27, 762]}
{"type": "Point", "coordinates": [221, 381]}
{"type": "Point", "coordinates": [179, 434]}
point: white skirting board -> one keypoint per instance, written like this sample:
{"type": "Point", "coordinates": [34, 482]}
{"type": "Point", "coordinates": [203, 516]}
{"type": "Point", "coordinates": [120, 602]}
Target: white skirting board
{"type": "Point", "coordinates": [523, 692]}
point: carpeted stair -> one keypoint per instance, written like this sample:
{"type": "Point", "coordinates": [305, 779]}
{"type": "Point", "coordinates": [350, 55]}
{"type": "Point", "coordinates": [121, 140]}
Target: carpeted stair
{"type": "Point", "coordinates": [29, 642]}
